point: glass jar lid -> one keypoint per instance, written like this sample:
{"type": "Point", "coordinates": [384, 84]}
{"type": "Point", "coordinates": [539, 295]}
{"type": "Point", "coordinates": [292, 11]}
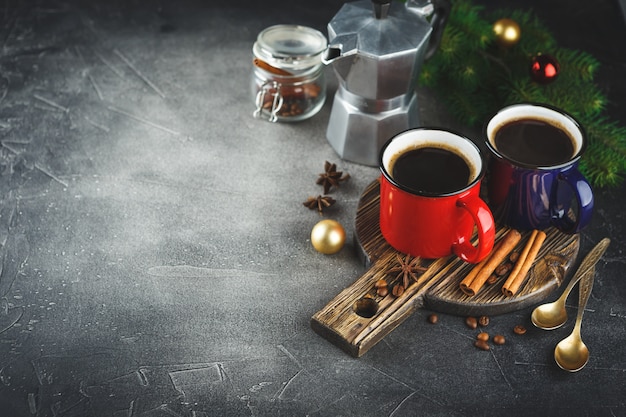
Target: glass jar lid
{"type": "Point", "coordinates": [290, 46]}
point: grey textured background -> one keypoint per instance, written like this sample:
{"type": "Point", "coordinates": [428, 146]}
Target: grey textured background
{"type": "Point", "coordinates": [156, 258]}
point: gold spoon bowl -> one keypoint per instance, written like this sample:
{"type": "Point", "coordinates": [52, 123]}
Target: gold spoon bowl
{"type": "Point", "coordinates": [552, 315]}
{"type": "Point", "coordinates": [571, 354]}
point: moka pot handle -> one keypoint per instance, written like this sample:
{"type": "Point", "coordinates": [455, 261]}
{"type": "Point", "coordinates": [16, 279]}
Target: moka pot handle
{"type": "Point", "coordinates": [438, 23]}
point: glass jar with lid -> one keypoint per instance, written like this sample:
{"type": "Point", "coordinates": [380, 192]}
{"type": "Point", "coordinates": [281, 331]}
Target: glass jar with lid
{"type": "Point", "coordinates": [288, 82]}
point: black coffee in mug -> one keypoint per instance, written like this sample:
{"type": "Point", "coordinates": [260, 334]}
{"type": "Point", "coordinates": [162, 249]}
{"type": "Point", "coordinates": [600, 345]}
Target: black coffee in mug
{"type": "Point", "coordinates": [534, 142]}
{"type": "Point", "coordinates": [431, 170]}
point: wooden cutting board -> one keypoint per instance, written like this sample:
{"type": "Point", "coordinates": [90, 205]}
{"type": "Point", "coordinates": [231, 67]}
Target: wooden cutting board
{"type": "Point", "coordinates": [358, 318]}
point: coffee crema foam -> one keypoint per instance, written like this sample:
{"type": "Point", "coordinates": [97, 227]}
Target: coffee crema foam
{"type": "Point", "coordinates": [534, 140]}
{"type": "Point", "coordinates": [473, 169]}
{"type": "Point", "coordinates": [432, 168]}
{"type": "Point", "coordinates": [554, 123]}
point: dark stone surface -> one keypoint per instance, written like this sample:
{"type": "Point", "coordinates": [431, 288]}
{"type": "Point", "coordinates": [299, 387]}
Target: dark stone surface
{"type": "Point", "coordinates": [155, 252]}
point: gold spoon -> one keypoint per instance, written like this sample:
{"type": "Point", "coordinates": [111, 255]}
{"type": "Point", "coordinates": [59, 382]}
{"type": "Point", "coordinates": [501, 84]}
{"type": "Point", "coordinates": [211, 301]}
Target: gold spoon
{"type": "Point", "coordinates": [553, 315]}
{"type": "Point", "coordinates": [571, 354]}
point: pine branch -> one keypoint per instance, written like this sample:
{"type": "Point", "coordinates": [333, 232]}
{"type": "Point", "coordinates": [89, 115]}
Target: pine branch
{"type": "Point", "coordinates": [475, 77]}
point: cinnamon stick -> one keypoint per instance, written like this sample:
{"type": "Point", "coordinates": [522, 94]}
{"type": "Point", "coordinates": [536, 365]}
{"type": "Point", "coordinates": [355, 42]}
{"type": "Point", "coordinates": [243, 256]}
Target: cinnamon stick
{"type": "Point", "coordinates": [484, 270]}
{"type": "Point", "coordinates": [269, 68]}
{"type": "Point", "coordinates": [467, 281]}
{"type": "Point", "coordinates": [524, 262]}
{"type": "Point", "coordinates": [521, 259]}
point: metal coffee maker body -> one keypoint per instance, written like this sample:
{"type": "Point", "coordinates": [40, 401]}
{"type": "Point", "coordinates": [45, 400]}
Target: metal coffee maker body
{"type": "Point", "coordinates": [376, 50]}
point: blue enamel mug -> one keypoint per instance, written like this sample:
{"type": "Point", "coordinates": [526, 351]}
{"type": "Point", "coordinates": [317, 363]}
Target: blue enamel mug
{"type": "Point", "coordinates": [533, 179]}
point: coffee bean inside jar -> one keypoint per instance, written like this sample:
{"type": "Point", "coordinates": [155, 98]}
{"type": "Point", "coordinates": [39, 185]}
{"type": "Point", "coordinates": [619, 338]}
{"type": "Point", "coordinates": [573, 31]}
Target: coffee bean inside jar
{"type": "Point", "coordinates": [288, 82]}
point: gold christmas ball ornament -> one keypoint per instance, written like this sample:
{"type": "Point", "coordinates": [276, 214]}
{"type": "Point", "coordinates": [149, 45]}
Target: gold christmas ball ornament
{"type": "Point", "coordinates": [328, 237]}
{"type": "Point", "coordinates": [507, 32]}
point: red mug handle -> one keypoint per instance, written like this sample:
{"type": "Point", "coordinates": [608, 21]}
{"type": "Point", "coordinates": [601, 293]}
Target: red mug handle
{"type": "Point", "coordinates": [485, 224]}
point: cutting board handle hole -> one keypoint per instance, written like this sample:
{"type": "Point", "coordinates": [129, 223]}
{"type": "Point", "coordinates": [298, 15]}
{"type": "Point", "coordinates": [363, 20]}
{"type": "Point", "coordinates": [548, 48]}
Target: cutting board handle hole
{"type": "Point", "coordinates": [365, 307]}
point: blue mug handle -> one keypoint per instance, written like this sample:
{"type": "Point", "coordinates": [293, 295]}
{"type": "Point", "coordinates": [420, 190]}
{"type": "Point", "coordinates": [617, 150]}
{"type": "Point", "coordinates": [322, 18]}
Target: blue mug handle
{"type": "Point", "coordinates": [576, 185]}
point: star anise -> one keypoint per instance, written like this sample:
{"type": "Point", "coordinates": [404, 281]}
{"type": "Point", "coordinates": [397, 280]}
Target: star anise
{"type": "Point", "coordinates": [408, 269]}
{"type": "Point", "coordinates": [331, 177]}
{"type": "Point", "coordinates": [319, 203]}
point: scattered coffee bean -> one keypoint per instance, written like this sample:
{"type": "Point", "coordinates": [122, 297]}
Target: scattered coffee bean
{"type": "Point", "coordinates": [471, 322]}
{"type": "Point", "coordinates": [380, 283]}
{"type": "Point", "coordinates": [499, 339]}
{"type": "Point", "coordinates": [484, 336]}
{"type": "Point", "coordinates": [483, 321]}
{"type": "Point", "coordinates": [493, 278]}
{"type": "Point", "coordinates": [433, 319]}
{"type": "Point", "coordinates": [398, 290]}
{"type": "Point", "coordinates": [519, 329]}
{"type": "Point", "coordinates": [514, 257]}
{"type": "Point", "coordinates": [481, 344]}
{"type": "Point", "coordinates": [382, 291]}
{"type": "Point", "coordinates": [502, 270]}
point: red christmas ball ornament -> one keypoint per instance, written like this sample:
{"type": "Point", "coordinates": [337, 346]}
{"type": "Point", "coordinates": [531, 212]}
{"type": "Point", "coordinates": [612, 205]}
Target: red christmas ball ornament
{"type": "Point", "coordinates": [544, 69]}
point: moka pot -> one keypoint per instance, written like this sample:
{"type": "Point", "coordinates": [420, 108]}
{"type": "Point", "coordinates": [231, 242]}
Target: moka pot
{"type": "Point", "coordinates": [376, 50]}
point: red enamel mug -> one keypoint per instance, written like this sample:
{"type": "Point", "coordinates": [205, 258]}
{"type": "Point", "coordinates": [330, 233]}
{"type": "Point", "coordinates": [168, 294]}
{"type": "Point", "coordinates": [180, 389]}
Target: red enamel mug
{"type": "Point", "coordinates": [426, 209]}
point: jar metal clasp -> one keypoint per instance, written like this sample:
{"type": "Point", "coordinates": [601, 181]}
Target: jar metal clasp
{"type": "Point", "coordinates": [268, 98]}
